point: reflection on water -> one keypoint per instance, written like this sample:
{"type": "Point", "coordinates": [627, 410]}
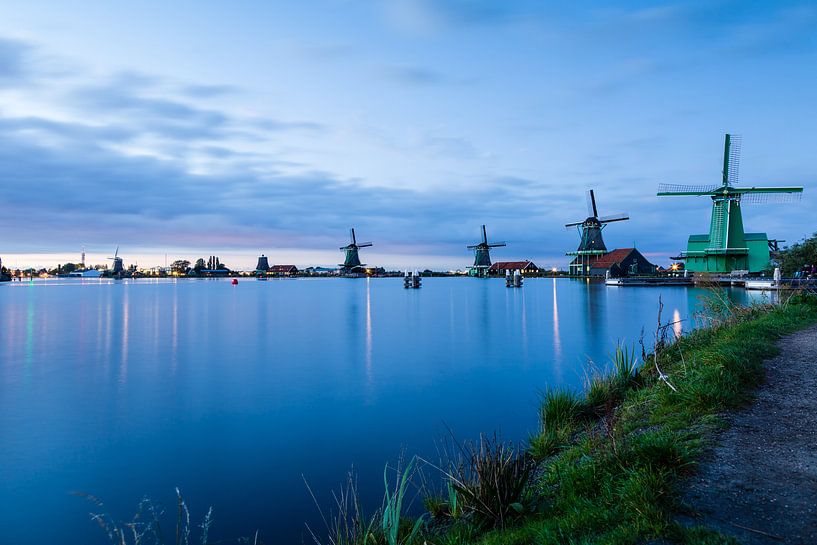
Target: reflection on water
{"type": "Point", "coordinates": [557, 340]}
{"type": "Point", "coordinates": [369, 332]}
{"type": "Point", "coordinates": [123, 389]}
{"type": "Point", "coordinates": [677, 324]}
{"type": "Point", "coordinates": [123, 365]}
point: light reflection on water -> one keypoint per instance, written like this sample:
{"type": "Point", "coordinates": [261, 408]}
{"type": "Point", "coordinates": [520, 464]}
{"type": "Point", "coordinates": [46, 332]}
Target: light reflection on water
{"type": "Point", "coordinates": [122, 389]}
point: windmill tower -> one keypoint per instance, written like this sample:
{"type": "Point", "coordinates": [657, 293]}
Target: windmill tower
{"type": "Point", "coordinates": [592, 244]}
{"type": "Point", "coordinates": [727, 247]}
{"type": "Point", "coordinates": [263, 264]}
{"type": "Point", "coordinates": [482, 255]}
{"type": "Point", "coordinates": [117, 266]}
{"type": "Point", "coordinates": [351, 262]}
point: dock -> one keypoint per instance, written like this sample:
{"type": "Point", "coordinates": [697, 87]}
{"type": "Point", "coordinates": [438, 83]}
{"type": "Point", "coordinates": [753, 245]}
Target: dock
{"type": "Point", "coordinates": [655, 281]}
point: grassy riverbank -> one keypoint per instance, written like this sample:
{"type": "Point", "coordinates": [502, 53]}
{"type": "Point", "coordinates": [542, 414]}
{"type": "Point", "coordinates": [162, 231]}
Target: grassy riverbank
{"type": "Point", "coordinates": [609, 461]}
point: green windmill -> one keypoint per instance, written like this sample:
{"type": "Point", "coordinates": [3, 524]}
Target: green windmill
{"type": "Point", "coordinates": [727, 247]}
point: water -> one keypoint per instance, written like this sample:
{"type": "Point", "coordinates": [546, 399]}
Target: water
{"type": "Point", "coordinates": [237, 393]}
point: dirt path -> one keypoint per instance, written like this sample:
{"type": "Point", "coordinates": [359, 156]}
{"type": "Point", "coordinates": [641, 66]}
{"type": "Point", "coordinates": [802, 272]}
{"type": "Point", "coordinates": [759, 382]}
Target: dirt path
{"type": "Point", "coordinates": [759, 484]}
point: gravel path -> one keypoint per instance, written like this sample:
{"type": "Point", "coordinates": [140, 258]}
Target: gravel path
{"type": "Point", "coordinates": [759, 484]}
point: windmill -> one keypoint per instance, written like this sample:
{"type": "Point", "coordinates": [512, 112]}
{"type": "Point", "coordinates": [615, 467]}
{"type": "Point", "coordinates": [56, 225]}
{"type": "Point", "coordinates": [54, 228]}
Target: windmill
{"type": "Point", "coordinates": [482, 255]}
{"type": "Point", "coordinates": [592, 243]}
{"type": "Point", "coordinates": [351, 263]}
{"type": "Point", "coordinates": [117, 267]}
{"type": "Point", "coordinates": [727, 247]}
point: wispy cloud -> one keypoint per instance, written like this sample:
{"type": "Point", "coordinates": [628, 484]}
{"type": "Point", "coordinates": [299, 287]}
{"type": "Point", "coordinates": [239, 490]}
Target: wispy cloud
{"type": "Point", "coordinates": [14, 68]}
{"type": "Point", "coordinates": [413, 75]}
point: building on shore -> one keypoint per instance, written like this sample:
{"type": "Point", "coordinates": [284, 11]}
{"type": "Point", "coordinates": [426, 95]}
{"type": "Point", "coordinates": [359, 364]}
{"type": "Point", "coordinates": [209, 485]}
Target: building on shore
{"type": "Point", "coordinates": [525, 267]}
{"type": "Point", "coordinates": [283, 270]}
{"type": "Point", "coordinates": [619, 262]}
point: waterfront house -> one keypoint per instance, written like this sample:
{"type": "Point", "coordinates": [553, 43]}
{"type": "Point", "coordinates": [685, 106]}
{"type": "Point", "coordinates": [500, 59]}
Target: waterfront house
{"type": "Point", "coordinates": [526, 267]}
{"type": "Point", "coordinates": [283, 270]}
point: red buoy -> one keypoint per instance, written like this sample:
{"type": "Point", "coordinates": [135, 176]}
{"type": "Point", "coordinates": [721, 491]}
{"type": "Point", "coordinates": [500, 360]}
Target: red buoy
{"type": "Point", "coordinates": [235, 281]}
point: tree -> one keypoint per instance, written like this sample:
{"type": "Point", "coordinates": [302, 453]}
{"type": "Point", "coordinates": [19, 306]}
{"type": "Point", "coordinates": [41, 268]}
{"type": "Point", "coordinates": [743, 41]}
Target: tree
{"type": "Point", "coordinates": [180, 266]}
{"type": "Point", "coordinates": [200, 264]}
{"type": "Point", "coordinates": [793, 258]}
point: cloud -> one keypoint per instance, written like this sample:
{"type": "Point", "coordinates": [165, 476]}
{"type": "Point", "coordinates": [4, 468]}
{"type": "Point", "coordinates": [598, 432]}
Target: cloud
{"type": "Point", "coordinates": [413, 75]}
{"type": "Point", "coordinates": [208, 91]}
{"type": "Point", "coordinates": [14, 55]}
{"type": "Point", "coordinates": [145, 201]}
{"type": "Point", "coordinates": [427, 15]}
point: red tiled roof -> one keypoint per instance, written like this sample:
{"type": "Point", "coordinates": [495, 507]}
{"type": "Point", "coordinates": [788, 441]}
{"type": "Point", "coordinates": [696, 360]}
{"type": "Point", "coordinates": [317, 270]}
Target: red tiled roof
{"type": "Point", "coordinates": [283, 268]}
{"type": "Point", "coordinates": [505, 265]}
{"type": "Point", "coordinates": [611, 258]}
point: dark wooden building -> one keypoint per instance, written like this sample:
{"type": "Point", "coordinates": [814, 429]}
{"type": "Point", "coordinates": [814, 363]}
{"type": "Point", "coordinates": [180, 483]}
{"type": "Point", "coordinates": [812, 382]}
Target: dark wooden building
{"type": "Point", "coordinates": [527, 267]}
{"type": "Point", "coordinates": [283, 270]}
{"type": "Point", "coordinates": [620, 262]}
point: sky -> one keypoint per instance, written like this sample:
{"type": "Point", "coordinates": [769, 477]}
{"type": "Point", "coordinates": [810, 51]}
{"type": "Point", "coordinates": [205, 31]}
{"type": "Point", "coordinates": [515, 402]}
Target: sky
{"type": "Point", "coordinates": [192, 128]}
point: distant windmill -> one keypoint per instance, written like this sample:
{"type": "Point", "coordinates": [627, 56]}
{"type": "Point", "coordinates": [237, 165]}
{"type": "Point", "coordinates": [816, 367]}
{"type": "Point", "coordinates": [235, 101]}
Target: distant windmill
{"type": "Point", "coordinates": [352, 259]}
{"type": "Point", "coordinates": [482, 255]}
{"type": "Point", "coordinates": [727, 247]}
{"type": "Point", "coordinates": [592, 243]}
{"type": "Point", "coordinates": [118, 267]}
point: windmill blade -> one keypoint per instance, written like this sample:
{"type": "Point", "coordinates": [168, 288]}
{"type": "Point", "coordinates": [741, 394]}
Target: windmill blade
{"type": "Point", "coordinates": [364, 245]}
{"type": "Point", "coordinates": [484, 235]}
{"type": "Point", "coordinates": [574, 224]}
{"type": "Point", "coordinates": [496, 244]}
{"type": "Point", "coordinates": [115, 255]}
{"type": "Point", "coordinates": [783, 189]}
{"type": "Point", "coordinates": [473, 246]}
{"type": "Point", "coordinates": [734, 159]}
{"type": "Point", "coordinates": [353, 234]}
{"type": "Point", "coordinates": [665, 190]}
{"type": "Point", "coordinates": [614, 217]}
{"type": "Point", "coordinates": [770, 197]}
{"type": "Point", "coordinates": [592, 203]}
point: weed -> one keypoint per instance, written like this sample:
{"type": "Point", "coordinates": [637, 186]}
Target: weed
{"type": "Point", "coordinates": [489, 479]}
{"type": "Point", "coordinates": [145, 528]}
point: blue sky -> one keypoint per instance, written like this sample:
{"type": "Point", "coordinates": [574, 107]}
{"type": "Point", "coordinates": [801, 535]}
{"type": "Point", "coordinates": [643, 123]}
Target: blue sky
{"type": "Point", "coordinates": [239, 128]}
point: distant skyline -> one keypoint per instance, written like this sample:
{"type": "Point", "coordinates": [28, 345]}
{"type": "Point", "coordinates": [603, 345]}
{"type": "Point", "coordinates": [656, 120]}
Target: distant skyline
{"type": "Point", "coordinates": [235, 129]}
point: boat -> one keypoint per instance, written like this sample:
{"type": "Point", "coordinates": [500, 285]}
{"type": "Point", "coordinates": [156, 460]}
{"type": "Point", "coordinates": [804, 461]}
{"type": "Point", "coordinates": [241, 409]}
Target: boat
{"type": "Point", "coordinates": [649, 281]}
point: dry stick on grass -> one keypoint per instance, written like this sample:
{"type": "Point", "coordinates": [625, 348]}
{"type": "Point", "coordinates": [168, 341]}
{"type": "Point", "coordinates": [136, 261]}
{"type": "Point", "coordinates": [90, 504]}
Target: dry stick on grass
{"type": "Point", "coordinates": [660, 339]}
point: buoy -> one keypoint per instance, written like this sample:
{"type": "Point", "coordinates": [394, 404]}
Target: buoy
{"type": "Point", "coordinates": [235, 281]}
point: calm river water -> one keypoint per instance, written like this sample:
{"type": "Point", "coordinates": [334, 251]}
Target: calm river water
{"type": "Point", "coordinates": [237, 393]}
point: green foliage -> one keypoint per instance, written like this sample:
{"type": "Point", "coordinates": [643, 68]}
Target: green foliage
{"type": "Point", "coordinates": [559, 408]}
{"type": "Point", "coordinates": [794, 257]}
{"type": "Point", "coordinates": [488, 481]}
{"type": "Point", "coordinates": [181, 266]}
{"type": "Point", "coordinates": [347, 525]}
{"type": "Point", "coordinates": [393, 507]}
